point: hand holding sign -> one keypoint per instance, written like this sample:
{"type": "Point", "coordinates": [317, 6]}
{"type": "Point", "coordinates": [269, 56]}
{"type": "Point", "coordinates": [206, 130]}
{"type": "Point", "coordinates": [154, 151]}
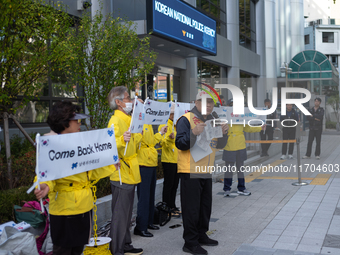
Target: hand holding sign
{"type": "Point", "coordinates": [225, 128]}
{"type": "Point", "coordinates": [164, 130]}
{"type": "Point", "coordinates": [172, 135]}
{"type": "Point", "coordinates": [127, 136]}
{"type": "Point", "coordinates": [42, 192]}
{"type": "Point", "coordinates": [198, 129]}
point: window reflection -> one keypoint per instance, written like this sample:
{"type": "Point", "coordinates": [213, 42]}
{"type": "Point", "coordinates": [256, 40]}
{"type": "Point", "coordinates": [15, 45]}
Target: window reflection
{"type": "Point", "coordinates": [33, 112]}
{"type": "Point", "coordinates": [247, 21]}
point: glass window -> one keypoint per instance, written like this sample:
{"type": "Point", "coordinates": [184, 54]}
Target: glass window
{"type": "Point", "coordinates": [33, 112]}
{"type": "Point", "coordinates": [306, 39]}
{"type": "Point", "coordinates": [328, 37]}
{"type": "Point", "coordinates": [216, 9]}
{"type": "Point", "coordinates": [247, 20]}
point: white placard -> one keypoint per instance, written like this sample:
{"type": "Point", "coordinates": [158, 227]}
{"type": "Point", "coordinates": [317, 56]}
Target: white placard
{"type": "Point", "coordinates": [156, 113]}
{"type": "Point", "coordinates": [138, 117]}
{"type": "Point", "coordinates": [68, 154]}
{"type": "Point", "coordinates": [181, 109]}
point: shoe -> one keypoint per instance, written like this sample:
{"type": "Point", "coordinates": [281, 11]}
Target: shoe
{"type": "Point", "coordinates": [304, 157]}
{"type": "Point", "coordinates": [153, 227]}
{"type": "Point", "coordinates": [229, 194]}
{"type": "Point", "coordinates": [317, 157]}
{"type": "Point", "coordinates": [208, 242]}
{"type": "Point", "coordinates": [290, 156]}
{"type": "Point", "coordinates": [134, 251]}
{"type": "Point", "coordinates": [244, 192]}
{"type": "Point", "coordinates": [283, 157]}
{"type": "Point", "coordinates": [196, 250]}
{"type": "Point", "coordinates": [146, 233]}
{"type": "Point", "coordinates": [262, 155]}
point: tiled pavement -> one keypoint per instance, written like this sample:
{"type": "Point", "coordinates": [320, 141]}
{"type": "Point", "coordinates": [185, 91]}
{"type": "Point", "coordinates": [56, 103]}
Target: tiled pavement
{"type": "Point", "coordinates": [277, 218]}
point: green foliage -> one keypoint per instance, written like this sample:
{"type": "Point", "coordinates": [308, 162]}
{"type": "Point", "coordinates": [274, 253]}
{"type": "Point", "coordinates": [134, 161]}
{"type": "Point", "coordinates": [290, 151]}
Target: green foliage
{"type": "Point", "coordinates": [9, 198]}
{"type": "Point", "coordinates": [26, 28]}
{"type": "Point", "coordinates": [106, 52]}
{"type": "Point", "coordinates": [23, 163]}
{"type": "Point", "coordinates": [330, 125]}
{"type": "Point", "coordinates": [334, 102]}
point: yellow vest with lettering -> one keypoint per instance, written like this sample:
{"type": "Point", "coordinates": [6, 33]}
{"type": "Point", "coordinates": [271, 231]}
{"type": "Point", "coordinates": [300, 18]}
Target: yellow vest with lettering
{"type": "Point", "coordinates": [185, 161]}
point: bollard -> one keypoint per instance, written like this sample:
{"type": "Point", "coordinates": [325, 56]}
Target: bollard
{"type": "Point", "coordinates": [298, 137]}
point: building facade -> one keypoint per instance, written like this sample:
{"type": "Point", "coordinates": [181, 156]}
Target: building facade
{"type": "Point", "coordinates": [251, 40]}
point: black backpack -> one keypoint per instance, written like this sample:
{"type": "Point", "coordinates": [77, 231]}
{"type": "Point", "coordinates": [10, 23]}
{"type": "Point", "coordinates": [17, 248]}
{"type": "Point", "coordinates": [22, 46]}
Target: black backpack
{"type": "Point", "coordinates": [162, 214]}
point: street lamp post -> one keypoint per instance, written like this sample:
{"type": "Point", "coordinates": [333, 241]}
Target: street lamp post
{"type": "Point", "coordinates": [285, 69]}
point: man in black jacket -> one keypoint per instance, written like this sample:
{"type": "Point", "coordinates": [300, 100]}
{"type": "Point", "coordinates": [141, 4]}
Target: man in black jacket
{"type": "Point", "coordinates": [315, 128]}
{"type": "Point", "coordinates": [268, 133]}
{"type": "Point", "coordinates": [196, 189]}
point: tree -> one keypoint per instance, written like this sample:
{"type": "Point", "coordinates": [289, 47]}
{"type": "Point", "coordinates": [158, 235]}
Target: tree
{"type": "Point", "coordinates": [31, 39]}
{"type": "Point", "coordinates": [334, 102]}
{"type": "Point", "coordinates": [106, 52]}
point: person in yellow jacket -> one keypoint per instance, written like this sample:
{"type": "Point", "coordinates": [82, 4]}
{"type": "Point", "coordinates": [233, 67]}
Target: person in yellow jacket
{"type": "Point", "coordinates": [235, 153]}
{"type": "Point", "coordinates": [196, 193]}
{"type": "Point", "coordinates": [169, 163]}
{"type": "Point", "coordinates": [71, 199]}
{"type": "Point", "coordinates": [123, 195]}
{"type": "Point", "coordinates": [148, 161]}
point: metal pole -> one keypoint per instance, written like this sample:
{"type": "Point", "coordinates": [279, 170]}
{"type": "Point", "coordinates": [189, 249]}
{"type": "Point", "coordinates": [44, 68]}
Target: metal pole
{"type": "Point", "coordinates": [22, 130]}
{"type": "Point", "coordinates": [299, 168]}
{"type": "Point", "coordinates": [8, 149]}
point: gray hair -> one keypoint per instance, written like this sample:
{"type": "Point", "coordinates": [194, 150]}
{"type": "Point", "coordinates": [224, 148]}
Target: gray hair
{"type": "Point", "coordinates": [116, 93]}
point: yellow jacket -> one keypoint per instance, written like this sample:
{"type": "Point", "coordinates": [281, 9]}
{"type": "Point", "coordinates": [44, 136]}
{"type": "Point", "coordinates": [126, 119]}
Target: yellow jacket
{"type": "Point", "coordinates": [186, 163]}
{"type": "Point", "coordinates": [129, 164]}
{"type": "Point", "coordinates": [147, 154]}
{"type": "Point", "coordinates": [169, 150]}
{"type": "Point", "coordinates": [236, 140]}
{"type": "Point", "coordinates": [72, 195]}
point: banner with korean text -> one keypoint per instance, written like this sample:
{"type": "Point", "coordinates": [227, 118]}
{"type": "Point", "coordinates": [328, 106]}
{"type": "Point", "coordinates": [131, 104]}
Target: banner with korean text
{"type": "Point", "coordinates": [156, 113]}
{"type": "Point", "coordinates": [138, 117]}
{"type": "Point", "coordinates": [68, 154]}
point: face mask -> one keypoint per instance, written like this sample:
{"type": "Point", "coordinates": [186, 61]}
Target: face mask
{"type": "Point", "coordinates": [128, 108]}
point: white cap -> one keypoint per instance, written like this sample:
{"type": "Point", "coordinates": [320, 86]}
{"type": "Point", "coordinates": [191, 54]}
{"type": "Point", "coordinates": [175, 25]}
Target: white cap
{"type": "Point", "coordinates": [201, 93]}
{"type": "Point", "coordinates": [172, 109]}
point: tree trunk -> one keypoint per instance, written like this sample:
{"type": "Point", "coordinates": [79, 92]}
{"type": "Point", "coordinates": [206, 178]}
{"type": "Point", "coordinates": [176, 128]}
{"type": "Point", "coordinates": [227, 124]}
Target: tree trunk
{"type": "Point", "coordinates": [8, 149]}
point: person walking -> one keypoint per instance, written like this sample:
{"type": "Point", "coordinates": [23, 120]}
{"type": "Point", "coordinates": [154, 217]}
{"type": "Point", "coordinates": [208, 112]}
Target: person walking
{"type": "Point", "coordinates": [169, 163]}
{"type": "Point", "coordinates": [123, 194]}
{"type": "Point", "coordinates": [289, 130]}
{"type": "Point", "coordinates": [196, 186]}
{"type": "Point", "coordinates": [315, 129]}
{"type": "Point", "coordinates": [148, 162]}
{"type": "Point", "coordinates": [268, 133]}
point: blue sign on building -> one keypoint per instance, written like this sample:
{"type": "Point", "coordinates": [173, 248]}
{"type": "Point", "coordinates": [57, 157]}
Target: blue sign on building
{"type": "Point", "coordinates": [181, 22]}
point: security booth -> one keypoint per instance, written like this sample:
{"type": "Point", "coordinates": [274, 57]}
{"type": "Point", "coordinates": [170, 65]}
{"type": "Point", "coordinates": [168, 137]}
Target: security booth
{"type": "Point", "coordinates": [312, 70]}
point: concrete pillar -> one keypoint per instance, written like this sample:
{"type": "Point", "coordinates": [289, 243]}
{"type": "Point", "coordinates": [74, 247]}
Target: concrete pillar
{"type": "Point", "coordinates": [278, 37]}
{"type": "Point", "coordinates": [234, 36]}
{"type": "Point", "coordinates": [270, 44]}
{"type": "Point", "coordinates": [188, 88]}
{"type": "Point", "coordinates": [282, 32]}
{"type": "Point", "coordinates": [288, 15]}
{"type": "Point", "coordinates": [261, 85]}
{"type": "Point", "coordinates": [297, 27]}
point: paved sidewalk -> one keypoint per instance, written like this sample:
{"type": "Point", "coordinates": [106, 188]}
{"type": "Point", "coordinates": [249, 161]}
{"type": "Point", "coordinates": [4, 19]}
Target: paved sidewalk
{"type": "Point", "coordinates": [278, 218]}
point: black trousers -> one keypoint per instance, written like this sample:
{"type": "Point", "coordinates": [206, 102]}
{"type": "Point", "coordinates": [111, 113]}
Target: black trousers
{"type": "Point", "coordinates": [268, 135]}
{"type": "Point", "coordinates": [196, 202]}
{"type": "Point", "coordinates": [58, 250]}
{"type": "Point", "coordinates": [146, 197]}
{"type": "Point", "coordinates": [317, 135]}
{"type": "Point", "coordinates": [170, 185]}
{"type": "Point", "coordinates": [288, 134]}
